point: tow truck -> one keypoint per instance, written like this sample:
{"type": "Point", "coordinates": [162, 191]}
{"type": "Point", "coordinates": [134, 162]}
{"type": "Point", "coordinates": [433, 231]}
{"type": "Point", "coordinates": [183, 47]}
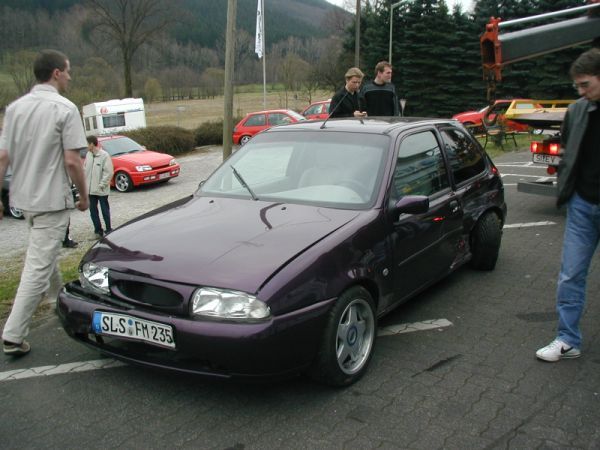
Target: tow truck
{"type": "Point", "coordinates": [499, 49]}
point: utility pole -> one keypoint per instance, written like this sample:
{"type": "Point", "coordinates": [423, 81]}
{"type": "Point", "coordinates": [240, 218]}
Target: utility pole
{"type": "Point", "coordinates": [395, 5]}
{"type": "Point", "coordinates": [228, 87]}
{"type": "Point", "coordinates": [357, 36]}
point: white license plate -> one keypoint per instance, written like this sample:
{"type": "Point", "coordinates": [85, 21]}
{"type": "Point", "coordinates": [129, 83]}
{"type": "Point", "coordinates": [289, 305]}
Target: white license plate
{"type": "Point", "coordinates": [546, 159]}
{"type": "Point", "coordinates": [122, 325]}
{"type": "Point", "coordinates": [164, 175]}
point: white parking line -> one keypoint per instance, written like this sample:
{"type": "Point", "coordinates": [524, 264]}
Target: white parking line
{"type": "Point", "coordinates": [417, 326]}
{"type": "Point", "coordinates": [529, 224]}
{"type": "Point", "coordinates": [44, 371]}
{"type": "Point", "coordinates": [526, 176]}
{"type": "Point", "coordinates": [85, 366]}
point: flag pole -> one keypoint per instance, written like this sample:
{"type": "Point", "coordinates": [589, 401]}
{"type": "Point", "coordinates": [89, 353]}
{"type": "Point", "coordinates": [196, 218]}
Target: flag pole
{"type": "Point", "coordinates": [259, 46]}
{"type": "Point", "coordinates": [264, 59]}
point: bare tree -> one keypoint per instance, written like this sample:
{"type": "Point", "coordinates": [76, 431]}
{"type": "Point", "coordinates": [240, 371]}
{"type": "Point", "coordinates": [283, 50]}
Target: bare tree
{"type": "Point", "coordinates": [130, 23]}
{"type": "Point", "coordinates": [212, 82]}
{"type": "Point", "coordinates": [20, 68]}
{"type": "Point", "coordinates": [152, 90]}
{"type": "Point", "coordinates": [293, 70]}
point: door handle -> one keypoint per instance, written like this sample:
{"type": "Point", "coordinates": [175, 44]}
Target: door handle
{"type": "Point", "coordinates": [454, 206]}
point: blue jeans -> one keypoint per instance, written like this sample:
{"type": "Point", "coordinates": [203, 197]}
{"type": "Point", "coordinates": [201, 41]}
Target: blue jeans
{"type": "Point", "coordinates": [105, 207]}
{"type": "Point", "coordinates": [582, 233]}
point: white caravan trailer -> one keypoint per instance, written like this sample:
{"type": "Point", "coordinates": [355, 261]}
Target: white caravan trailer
{"type": "Point", "coordinates": [114, 116]}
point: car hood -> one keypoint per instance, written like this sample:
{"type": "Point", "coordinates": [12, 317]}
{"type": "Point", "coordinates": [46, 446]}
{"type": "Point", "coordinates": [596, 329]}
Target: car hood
{"type": "Point", "coordinates": [466, 113]}
{"type": "Point", "coordinates": [218, 242]}
{"type": "Point", "coordinates": [146, 157]}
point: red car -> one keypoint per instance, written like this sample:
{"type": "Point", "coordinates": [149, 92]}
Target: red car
{"type": "Point", "coordinates": [261, 120]}
{"type": "Point", "coordinates": [496, 113]}
{"type": "Point", "coordinates": [317, 110]}
{"type": "Point", "coordinates": [134, 165]}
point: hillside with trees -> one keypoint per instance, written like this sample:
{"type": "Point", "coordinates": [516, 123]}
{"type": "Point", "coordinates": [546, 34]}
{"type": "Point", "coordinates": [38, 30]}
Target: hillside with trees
{"type": "Point", "coordinates": [181, 53]}
{"type": "Point", "coordinates": [178, 51]}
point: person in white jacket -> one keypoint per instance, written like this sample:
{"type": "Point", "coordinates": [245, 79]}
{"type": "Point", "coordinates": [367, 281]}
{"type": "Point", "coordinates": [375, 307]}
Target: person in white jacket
{"type": "Point", "coordinates": [98, 169]}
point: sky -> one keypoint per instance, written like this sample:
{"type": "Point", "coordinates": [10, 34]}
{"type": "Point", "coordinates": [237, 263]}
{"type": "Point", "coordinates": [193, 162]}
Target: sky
{"type": "Point", "coordinates": [466, 4]}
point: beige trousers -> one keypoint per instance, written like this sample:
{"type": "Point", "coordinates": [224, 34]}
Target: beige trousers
{"type": "Point", "coordinates": [40, 273]}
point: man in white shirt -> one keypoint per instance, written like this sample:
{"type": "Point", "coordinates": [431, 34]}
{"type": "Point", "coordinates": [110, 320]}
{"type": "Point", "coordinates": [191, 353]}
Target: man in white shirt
{"type": "Point", "coordinates": [41, 140]}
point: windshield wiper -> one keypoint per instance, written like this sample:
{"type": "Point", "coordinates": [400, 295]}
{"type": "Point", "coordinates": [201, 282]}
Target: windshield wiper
{"type": "Point", "coordinates": [243, 183]}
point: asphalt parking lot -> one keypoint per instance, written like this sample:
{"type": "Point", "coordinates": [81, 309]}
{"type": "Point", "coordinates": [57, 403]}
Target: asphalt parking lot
{"type": "Point", "coordinates": [454, 368]}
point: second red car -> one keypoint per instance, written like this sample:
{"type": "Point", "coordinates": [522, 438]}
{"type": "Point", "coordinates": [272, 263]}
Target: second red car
{"type": "Point", "coordinates": [261, 120]}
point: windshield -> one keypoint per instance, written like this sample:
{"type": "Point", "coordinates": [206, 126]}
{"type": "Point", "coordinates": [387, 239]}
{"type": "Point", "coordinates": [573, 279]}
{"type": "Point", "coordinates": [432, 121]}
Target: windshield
{"type": "Point", "coordinates": [296, 115]}
{"type": "Point", "coordinates": [334, 169]}
{"type": "Point", "coordinates": [120, 146]}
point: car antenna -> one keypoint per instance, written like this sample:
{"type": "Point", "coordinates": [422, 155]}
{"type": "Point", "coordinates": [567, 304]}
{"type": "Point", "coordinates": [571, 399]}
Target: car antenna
{"type": "Point", "coordinates": [336, 107]}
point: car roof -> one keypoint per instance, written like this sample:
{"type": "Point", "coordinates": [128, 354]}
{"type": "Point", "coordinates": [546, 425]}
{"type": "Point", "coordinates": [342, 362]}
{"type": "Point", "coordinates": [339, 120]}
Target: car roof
{"type": "Point", "coordinates": [372, 125]}
{"type": "Point", "coordinates": [271, 111]}
{"type": "Point", "coordinates": [110, 136]}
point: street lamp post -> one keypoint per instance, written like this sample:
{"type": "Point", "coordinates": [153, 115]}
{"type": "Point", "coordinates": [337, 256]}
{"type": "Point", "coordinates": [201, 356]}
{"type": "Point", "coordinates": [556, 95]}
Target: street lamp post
{"type": "Point", "coordinates": [395, 5]}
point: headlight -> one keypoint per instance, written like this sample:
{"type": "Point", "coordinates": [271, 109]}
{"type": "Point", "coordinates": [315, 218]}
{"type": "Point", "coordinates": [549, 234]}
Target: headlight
{"type": "Point", "coordinates": [144, 168]}
{"type": "Point", "coordinates": [173, 162]}
{"type": "Point", "coordinates": [225, 304]}
{"type": "Point", "coordinates": [94, 278]}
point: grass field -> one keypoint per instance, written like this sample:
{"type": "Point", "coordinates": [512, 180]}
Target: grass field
{"type": "Point", "coordinates": [191, 113]}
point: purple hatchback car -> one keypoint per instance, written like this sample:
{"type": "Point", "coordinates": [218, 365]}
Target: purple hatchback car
{"type": "Point", "coordinates": [284, 258]}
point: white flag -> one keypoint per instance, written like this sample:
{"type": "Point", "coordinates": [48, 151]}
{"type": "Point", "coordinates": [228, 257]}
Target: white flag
{"type": "Point", "coordinates": [260, 29]}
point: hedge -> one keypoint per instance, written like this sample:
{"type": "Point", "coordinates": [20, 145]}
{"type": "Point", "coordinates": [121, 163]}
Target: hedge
{"type": "Point", "coordinates": [176, 140]}
{"type": "Point", "coordinates": [165, 139]}
{"type": "Point", "coordinates": [211, 133]}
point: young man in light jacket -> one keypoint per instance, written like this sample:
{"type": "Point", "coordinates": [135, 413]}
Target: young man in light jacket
{"type": "Point", "coordinates": [98, 173]}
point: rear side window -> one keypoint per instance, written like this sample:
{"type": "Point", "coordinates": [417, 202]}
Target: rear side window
{"type": "Point", "coordinates": [420, 167]}
{"type": "Point", "coordinates": [466, 161]}
{"type": "Point", "coordinates": [256, 120]}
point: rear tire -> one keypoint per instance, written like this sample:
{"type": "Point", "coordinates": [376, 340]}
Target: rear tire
{"type": "Point", "coordinates": [16, 213]}
{"type": "Point", "coordinates": [123, 182]}
{"type": "Point", "coordinates": [13, 212]}
{"type": "Point", "coordinates": [485, 242]}
{"type": "Point", "coordinates": [348, 340]}
{"type": "Point", "coordinates": [244, 140]}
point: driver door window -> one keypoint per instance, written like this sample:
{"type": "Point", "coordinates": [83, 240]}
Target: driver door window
{"type": "Point", "coordinates": [420, 167]}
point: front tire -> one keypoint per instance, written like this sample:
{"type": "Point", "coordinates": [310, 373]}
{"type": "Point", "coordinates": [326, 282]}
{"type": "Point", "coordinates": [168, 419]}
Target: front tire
{"type": "Point", "coordinates": [123, 182]}
{"type": "Point", "coordinates": [348, 340]}
{"type": "Point", "coordinates": [485, 242]}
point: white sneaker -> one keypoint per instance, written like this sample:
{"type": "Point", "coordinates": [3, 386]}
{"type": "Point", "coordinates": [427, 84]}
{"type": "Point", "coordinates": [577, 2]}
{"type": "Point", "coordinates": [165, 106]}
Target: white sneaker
{"type": "Point", "coordinates": [557, 350]}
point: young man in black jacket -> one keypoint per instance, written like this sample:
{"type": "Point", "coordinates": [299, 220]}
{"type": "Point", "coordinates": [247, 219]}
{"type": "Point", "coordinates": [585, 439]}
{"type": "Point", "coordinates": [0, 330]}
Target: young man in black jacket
{"type": "Point", "coordinates": [378, 97]}
{"type": "Point", "coordinates": [345, 102]}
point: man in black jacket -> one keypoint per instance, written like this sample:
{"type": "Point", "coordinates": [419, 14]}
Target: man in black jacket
{"type": "Point", "coordinates": [345, 101]}
{"type": "Point", "coordinates": [378, 97]}
{"type": "Point", "coordinates": [579, 189]}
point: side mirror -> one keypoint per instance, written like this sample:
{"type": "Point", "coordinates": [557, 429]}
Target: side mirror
{"type": "Point", "coordinates": [412, 204]}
